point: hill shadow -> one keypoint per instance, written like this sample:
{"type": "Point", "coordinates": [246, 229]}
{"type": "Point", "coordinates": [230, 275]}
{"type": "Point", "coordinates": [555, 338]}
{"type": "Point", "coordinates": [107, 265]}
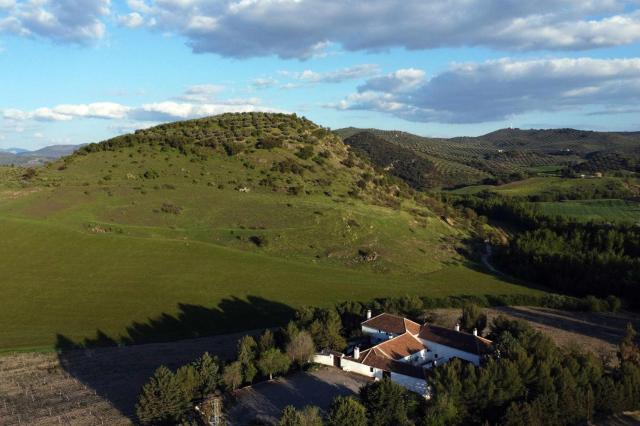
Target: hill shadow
{"type": "Point", "coordinates": [116, 367]}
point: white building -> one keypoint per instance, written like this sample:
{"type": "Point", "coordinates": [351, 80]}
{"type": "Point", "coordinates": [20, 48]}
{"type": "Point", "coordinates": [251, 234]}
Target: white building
{"type": "Point", "coordinates": [404, 351]}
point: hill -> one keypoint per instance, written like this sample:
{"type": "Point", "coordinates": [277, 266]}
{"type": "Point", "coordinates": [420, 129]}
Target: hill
{"type": "Point", "coordinates": [19, 156]}
{"type": "Point", "coordinates": [513, 154]}
{"type": "Point", "coordinates": [231, 220]}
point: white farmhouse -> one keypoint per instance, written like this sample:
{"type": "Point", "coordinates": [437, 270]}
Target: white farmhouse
{"type": "Point", "coordinates": [404, 351]}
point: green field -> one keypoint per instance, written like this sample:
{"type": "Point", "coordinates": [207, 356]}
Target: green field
{"type": "Point", "coordinates": [150, 242]}
{"type": "Point", "coordinates": [611, 210]}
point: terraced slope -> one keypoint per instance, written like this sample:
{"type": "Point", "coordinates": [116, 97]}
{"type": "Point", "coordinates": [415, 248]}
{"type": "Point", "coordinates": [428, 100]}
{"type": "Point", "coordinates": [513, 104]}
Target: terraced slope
{"type": "Point", "coordinates": [513, 153]}
{"type": "Point", "coordinates": [210, 226]}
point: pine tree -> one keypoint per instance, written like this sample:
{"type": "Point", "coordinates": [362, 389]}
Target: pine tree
{"type": "Point", "coordinates": [346, 411]}
{"type": "Point", "coordinates": [162, 400]}
{"type": "Point", "coordinates": [247, 348]}
{"type": "Point", "coordinates": [386, 403]}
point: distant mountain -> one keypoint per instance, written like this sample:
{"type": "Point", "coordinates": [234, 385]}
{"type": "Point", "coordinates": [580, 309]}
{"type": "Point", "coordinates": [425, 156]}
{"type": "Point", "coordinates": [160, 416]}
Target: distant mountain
{"type": "Point", "coordinates": [13, 150]}
{"type": "Point", "coordinates": [25, 157]}
{"type": "Point", "coordinates": [509, 154]}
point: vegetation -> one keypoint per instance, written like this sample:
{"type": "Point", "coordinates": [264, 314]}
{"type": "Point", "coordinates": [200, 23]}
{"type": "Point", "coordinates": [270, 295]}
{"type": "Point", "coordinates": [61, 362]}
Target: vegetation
{"type": "Point", "coordinates": [167, 398]}
{"type": "Point", "coordinates": [529, 380]}
{"type": "Point", "coordinates": [189, 225]}
{"type": "Point", "coordinates": [308, 416]}
{"type": "Point", "coordinates": [346, 411]}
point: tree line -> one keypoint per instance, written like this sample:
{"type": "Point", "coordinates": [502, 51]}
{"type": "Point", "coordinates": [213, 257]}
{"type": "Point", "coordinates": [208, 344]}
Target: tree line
{"type": "Point", "coordinates": [525, 380]}
{"type": "Point", "coordinates": [592, 258]}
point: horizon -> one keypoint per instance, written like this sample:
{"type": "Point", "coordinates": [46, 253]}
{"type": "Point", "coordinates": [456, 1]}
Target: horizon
{"type": "Point", "coordinates": [82, 73]}
{"type": "Point", "coordinates": [9, 148]}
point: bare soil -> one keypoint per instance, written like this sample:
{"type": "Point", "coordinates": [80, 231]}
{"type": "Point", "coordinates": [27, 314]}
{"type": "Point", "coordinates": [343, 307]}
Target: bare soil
{"type": "Point", "coordinates": [92, 386]}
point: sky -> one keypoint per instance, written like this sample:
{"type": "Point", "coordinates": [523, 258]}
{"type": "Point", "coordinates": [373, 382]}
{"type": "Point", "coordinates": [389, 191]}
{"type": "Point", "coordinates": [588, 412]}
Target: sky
{"type": "Point", "coordinates": [80, 71]}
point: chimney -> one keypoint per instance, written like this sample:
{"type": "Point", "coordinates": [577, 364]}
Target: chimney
{"type": "Point", "coordinates": [475, 331]}
{"type": "Point", "coordinates": [458, 327]}
{"type": "Point", "coordinates": [356, 352]}
{"type": "Point", "coordinates": [368, 313]}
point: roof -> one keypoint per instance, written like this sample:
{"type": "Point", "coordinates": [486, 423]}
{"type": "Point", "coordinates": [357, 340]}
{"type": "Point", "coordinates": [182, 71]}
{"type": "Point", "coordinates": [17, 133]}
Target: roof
{"type": "Point", "coordinates": [374, 358]}
{"type": "Point", "coordinates": [392, 324]}
{"type": "Point", "coordinates": [400, 347]}
{"type": "Point", "coordinates": [455, 339]}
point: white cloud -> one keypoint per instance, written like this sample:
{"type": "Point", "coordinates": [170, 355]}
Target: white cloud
{"type": "Point", "coordinates": [499, 89]}
{"type": "Point", "coordinates": [104, 110]}
{"type": "Point", "coordinates": [150, 112]}
{"type": "Point", "coordinates": [337, 76]}
{"type": "Point", "coordinates": [70, 21]}
{"type": "Point", "coordinates": [167, 111]}
{"type": "Point", "coordinates": [264, 83]}
{"type": "Point", "coordinates": [302, 29]}
{"type": "Point", "coordinates": [201, 93]}
{"type": "Point", "coordinates": [131, 20]}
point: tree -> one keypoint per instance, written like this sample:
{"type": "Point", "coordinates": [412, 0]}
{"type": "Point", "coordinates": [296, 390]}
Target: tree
{"type": "Point", "coordinates": [163, 401]}
{"type": "Point", "coordinates": [232, 375]}
{"type": "Point", "coordinates": [273, 362]}
{"type": "Point", "coordinates": [301, 348]}
{"type": "Point", "coordinates": [308, 416]}
{"type": "Point", "coordinates": [628, 350]}
{"type": "Point", "coordinates": [473, 317]}
{"type": "Point", "coordinates": [326, 330]}
{"type": "Point", "coordinates": [208, 371]}
{"type": "Point", "coordinates": [267, 341]}
{"type": "Point", "coordinates": [347, 411]}
{"type": "Point", "coordinates": [247, 348]}
{"type": "Point", "coordinates": [386, 403]}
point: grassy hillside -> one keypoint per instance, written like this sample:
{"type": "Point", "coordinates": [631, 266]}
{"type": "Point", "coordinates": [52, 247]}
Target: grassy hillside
{"type": "Point", "coordinates": [240, 216]}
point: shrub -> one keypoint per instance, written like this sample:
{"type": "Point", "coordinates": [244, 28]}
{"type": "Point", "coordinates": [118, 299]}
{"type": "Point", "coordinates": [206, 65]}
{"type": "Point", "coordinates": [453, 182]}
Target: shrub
{"type": "Point", "coordinates": [170, 208]}
{"type": "Point", "coordinates": [305, 152]}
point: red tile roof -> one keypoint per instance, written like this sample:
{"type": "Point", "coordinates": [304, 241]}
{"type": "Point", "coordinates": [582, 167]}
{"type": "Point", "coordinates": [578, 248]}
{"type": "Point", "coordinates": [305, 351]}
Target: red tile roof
{"type": "Point", "coordinates": [401, 346]}
{"type": "Point", "coordinates": [455, 339]}
{"type": "Point", "coordinates": [392, 324]}
{"type": "Point", "coordinates": [374, 358]}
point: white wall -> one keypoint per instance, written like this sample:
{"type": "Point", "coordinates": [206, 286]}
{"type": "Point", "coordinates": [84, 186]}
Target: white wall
{"type": "Point", "coordinates": [413, 384]}
{"type": "Point", "coordinates": [323, 359]}
{"type": "Point", "coordinates": [446, 352]}
{"type": "Point", "coordinates": [356, 367]}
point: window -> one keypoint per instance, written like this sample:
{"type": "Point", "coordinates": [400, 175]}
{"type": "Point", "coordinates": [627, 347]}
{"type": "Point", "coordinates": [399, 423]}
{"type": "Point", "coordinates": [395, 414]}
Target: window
{"type": "Point", "coordinates": [371, 369]}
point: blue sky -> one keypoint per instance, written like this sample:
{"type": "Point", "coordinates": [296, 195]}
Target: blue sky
{"type": "Point", "coordinates": [81, 71]}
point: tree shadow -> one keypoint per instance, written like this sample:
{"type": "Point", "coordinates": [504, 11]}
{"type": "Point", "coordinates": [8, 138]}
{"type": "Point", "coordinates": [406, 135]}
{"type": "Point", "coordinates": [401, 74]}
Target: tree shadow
{"type": "Point", "coordinates": [116, 367]}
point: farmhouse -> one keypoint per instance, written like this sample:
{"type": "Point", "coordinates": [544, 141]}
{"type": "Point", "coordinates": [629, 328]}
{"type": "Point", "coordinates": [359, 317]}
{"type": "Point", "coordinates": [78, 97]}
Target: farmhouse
{"type": "Point", "coordinates": [406, 351]}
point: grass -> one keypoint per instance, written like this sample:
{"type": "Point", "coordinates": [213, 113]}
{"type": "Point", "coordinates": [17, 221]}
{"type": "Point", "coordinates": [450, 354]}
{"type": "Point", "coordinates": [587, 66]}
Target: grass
{"type": "Point", "coordinates": [537, 185]}
{"type": "Point", "coordinates": [613, 210]}
{"type": "Point", "coordinates": [149, 240]}
{"type": "Point", "coordinates": [73, 284]}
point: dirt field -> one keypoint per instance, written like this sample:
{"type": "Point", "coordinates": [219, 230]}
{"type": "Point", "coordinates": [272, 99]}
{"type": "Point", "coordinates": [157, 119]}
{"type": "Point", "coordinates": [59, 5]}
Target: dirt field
{"type": "Point", "coordinates": [100, 386]}
{"type": "Point", "coordinates": [91, 387]}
